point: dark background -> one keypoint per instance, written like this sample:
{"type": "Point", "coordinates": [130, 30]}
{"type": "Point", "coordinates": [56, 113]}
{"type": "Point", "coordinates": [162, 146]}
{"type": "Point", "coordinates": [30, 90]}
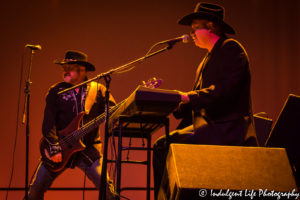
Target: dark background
{"type": "Point", "coordinates": [115, 32]}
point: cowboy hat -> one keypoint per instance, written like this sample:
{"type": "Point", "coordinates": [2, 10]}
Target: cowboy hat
{"type": "Point", "coordinates": [208, 11]}
{"type": "Point", "coordinates": [76, 57]}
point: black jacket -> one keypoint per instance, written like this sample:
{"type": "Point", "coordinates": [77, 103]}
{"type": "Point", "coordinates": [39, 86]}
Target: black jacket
{"type": "Point", "coordinates": [221, 92]}
{"type": "Point", "coordinates": [61, 109]}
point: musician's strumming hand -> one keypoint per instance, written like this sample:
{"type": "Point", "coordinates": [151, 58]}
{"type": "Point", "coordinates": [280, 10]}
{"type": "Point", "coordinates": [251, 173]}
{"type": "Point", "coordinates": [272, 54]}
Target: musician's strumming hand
{"type": "Point", "coordinates": [56, 158]}
{"type": "Point", "coordinates": [54, 152]}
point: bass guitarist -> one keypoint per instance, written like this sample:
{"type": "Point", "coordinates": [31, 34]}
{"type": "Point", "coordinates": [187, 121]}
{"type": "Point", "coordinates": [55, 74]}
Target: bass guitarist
{"type": "Point", "coordinates": [61, 118]}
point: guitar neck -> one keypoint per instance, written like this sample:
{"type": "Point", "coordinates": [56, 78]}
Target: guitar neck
{"type": "Point", "coordinates": [93, 124]}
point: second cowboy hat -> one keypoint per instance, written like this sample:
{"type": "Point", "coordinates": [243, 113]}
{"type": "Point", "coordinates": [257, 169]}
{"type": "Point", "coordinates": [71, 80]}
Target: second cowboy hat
{"type": "Point", "coordinates": [76, 57]}
{"type": "Point", "coordinates": [208, 11]}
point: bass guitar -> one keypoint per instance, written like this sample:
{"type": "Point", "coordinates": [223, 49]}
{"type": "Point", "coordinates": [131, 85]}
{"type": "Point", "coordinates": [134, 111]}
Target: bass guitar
{"type": "Point", "coordinates": [70, 138]}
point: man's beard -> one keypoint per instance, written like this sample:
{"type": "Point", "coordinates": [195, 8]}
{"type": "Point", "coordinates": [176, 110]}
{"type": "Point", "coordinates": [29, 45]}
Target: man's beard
{"type": "Point", "coordinates": [72, 78]}
{"type": "Point", "coordinates": [67, 78]}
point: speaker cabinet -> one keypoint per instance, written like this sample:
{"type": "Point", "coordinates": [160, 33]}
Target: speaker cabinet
{"type": "Point", "coordinates": [194, 169]}
{"type": "Point", "coordinates": [286, 132]}
{"type": "Point", "coordinates": [263, 127]}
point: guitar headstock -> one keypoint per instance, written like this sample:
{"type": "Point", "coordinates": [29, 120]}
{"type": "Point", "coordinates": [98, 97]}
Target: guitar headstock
{"type": "Point", "coordinates": [152, 83]}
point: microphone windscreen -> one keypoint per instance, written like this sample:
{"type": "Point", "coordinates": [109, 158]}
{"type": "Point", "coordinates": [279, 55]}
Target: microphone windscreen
{"type": "Point", "coordinates": [185, 38]}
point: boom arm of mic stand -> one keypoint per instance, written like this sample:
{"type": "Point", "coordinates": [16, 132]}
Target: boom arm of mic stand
{"type": "Point", "coordinates": [117, 69]}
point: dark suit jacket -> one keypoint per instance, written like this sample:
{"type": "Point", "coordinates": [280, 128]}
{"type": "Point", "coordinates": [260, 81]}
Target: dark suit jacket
{"type": "Point", "coordinates": [227, 103]}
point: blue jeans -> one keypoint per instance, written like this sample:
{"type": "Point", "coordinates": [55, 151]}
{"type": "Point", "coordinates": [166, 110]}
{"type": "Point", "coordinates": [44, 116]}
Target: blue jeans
{"type": "Point", "coordinates": [44, 178]}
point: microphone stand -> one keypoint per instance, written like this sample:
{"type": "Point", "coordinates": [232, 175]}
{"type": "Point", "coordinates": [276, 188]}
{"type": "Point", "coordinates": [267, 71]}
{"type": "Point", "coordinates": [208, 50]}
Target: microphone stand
{"type": "Point", "coordinates": [107, 78]}
{"type": "Point", "coordinates": [122, 67]}
{"type": "Point", "coordinates": [103, 186]}
{"type": "Point", "coordinates": [26, 119]}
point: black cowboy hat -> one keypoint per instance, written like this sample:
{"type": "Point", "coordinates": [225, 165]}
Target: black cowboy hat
{"type": "Point", "coordinates": [208, 11]}
{"type": "Point", "coordinates": [76, 57]}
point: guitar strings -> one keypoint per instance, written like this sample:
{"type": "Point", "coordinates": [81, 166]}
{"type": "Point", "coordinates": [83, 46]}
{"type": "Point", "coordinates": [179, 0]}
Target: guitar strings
{"type": "Point", "coordinates": [154, 83]}
{"type": "Point", "coordinates": [85, 128]}
{"type": "Point", "coordinates": [82, 130]}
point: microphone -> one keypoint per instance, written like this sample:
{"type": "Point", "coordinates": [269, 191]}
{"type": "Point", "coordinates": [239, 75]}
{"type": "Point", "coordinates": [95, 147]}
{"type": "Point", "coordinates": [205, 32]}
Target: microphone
{"type": "Point", "coordinates": [34, 47]}
{"type": "Point", "coordinates": [183, 39]}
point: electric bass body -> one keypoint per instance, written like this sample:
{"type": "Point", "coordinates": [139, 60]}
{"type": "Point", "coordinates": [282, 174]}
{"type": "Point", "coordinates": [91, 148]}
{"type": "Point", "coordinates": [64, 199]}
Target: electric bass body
{"type": "Point", "coordinates": [69, 145]}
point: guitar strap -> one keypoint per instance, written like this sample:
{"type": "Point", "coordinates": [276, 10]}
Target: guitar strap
{"type": "Point", "coordinates": [92, 90]}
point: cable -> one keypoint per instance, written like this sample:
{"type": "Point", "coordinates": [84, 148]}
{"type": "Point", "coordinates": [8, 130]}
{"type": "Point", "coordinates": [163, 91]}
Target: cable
{"type": "Point", "coordinates": [125, 70]}
{"type": "Point", "coordinates": [114, 152]}
{"type": "Point", "coordinates": [84, 181]}
{"type": "Point", "coordinates": [129, 68]}
{"type": "Point", "coordinates": [34, 175]}
{"type": "Point", "coordinates": [152, 47]}
{"type": "Point", "coordinates": [129, 145]}
{"type": "Point", "coordinates": [112, 156]}
{"type": "Point", "coordinates": [17, 122]}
